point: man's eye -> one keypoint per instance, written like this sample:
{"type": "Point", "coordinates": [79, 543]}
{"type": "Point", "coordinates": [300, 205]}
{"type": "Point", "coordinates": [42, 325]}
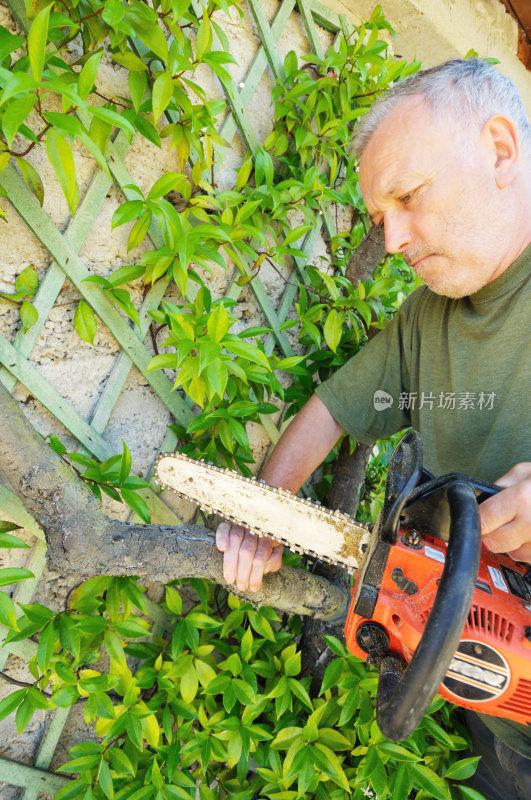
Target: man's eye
{"type": "Point", "coordinates": [406, 198]}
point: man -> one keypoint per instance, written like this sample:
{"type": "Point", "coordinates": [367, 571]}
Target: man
{"type": "Point", "coordinates": [445, 167]}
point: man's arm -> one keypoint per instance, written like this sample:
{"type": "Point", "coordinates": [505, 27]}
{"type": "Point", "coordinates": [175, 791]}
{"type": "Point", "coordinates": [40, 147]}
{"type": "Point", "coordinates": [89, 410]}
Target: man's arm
{"type": "Point", "coordinates": [506, 516]}
{"type": "Point", "coordinates": [302, 447]}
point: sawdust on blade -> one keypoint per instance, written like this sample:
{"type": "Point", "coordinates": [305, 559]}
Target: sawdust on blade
{"type": "Point", "coordinates": [267, 511]}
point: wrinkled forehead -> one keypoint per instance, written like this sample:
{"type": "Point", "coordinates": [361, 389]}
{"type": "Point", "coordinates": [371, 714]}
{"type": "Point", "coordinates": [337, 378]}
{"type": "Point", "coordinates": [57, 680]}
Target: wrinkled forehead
{"type": "Point", "coordinates": [412, 119]}
{"type": "Point", "coordinates": [408, 147]}
{"type": "Point", "coordinates": [407, 133]}
{"type": "Point", "coordinates": [401, 120]}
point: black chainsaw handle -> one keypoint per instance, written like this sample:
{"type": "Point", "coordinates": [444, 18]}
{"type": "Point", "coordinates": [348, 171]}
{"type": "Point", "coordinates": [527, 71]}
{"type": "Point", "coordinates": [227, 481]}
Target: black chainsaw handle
{"type": "Point", "coordinates": [403, 699]}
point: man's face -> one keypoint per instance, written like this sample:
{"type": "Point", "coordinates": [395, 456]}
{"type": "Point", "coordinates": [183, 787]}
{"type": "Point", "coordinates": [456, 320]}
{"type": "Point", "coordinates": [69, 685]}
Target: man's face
{"type": "Point", "coordinates": [434, 190]}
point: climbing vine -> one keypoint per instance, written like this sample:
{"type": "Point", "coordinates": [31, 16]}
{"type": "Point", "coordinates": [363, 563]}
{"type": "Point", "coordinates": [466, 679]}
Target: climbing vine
{"type": "Point", "coordinates": [211, 702]}
{"type": "Point", "coordinates": [302, 169]}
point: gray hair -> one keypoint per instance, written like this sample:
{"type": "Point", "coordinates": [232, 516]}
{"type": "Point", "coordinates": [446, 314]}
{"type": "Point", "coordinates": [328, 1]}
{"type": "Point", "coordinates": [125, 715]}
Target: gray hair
{"type": "Point", "coordinates": [470, 91]}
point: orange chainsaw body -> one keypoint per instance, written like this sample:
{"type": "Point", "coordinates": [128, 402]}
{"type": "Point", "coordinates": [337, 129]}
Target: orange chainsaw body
{"type": "Point", "coordinates": [490, 671]}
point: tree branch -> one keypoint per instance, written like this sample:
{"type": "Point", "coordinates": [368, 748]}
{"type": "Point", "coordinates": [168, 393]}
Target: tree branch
{"type": "Point", "coordinates": [82, 540]}
{"type": "Point", "coordinates": [368, 255]}
{"type": "Point", "coordinates": [349, 473]}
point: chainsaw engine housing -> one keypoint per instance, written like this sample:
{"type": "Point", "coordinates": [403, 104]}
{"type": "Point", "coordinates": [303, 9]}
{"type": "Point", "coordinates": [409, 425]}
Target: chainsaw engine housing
{"type": "Point", "coordinates": [489, 672]}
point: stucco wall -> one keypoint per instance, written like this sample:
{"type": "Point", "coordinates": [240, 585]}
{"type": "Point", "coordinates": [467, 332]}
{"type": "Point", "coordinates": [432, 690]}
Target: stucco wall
{"type": "Point", "coordinates": [435, 30]}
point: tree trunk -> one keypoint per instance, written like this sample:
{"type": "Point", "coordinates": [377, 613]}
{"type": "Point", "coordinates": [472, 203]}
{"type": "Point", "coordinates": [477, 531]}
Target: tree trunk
{"type": "Point", "coordinates": [345, 489]}
{"type": "Point", "coordinates": [349, 474]}
{"type": "Point", "coordinates": [344, 495]}
{"type": "Point", "coordinates": [82, 540]}
{"type": "Point", "coordinates": [367, 256]}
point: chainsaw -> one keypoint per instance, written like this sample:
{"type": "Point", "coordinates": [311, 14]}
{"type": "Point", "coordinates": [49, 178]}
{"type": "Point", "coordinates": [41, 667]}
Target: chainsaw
{"type": "Point", "coordinates": [431, 608]}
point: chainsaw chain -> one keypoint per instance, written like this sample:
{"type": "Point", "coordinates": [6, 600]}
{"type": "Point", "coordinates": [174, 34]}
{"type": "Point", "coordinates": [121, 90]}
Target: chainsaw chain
{"type": "Point", "coordinates": [267, 490]}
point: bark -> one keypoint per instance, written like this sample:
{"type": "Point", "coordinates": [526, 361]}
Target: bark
{"type": "Point", "coordinates": [368, 255]}
{"type": "Point", "coordinates": [344, 495]}
{"type": "Point", "coordinates": [82, 540]}
{"type": "Point", "coordinates": [349, 474]}
{"type": "Point", "coordinates": [315, 655]}
{"type": "Point", "coordinates": [344, 492]}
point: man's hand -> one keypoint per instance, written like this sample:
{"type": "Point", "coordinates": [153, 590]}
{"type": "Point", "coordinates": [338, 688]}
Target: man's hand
{"type": "Point", "coordinates": [302, 447]}
{"type": "Point", "coordinates": [246, 557]}
{"type": "Point", "coordinates": [506, 517]}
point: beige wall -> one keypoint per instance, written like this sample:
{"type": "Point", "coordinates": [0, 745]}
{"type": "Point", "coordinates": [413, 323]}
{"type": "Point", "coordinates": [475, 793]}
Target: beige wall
{"type": "Point", "coordinates": [435, 30]}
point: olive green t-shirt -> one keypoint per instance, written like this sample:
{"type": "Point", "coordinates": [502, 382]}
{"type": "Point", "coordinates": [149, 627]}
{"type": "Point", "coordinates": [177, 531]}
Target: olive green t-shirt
{"type": "Point", "coordinates": [459, 372]}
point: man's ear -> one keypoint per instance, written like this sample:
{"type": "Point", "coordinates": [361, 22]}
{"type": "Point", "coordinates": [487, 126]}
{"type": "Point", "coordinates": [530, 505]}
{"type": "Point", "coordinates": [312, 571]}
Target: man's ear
{"type": "Point", "coordinates": [500, 136]}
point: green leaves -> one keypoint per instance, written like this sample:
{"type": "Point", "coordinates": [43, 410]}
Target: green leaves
{"type": "Point", "coordinates": [333, 329]}
{"type": "Point", "coordinates": [198, 702]}
{"type": "Point", "coordinates": [228, 377]}
{"type": "Point", "coordinates": [139, 230]}
{"type": "Point", "coordinates": [85, 322]}
{"type": "Point", "coordinates": [122, 299]}
{"type": "Point", "coordinates": [105, 779]}
{"type": "Point", "coordinates": [9, 42]}
{"type": "Point", "coordinates": [112, 477]}
{"type": "Point", "coordinates": [46, 646]}
{"type": "Point", "coordinates": [15, 114]}
{"type": "Point", "coordinates": [27, 283]}
{"type": "Point", "coordinates": [11, 575]}
{"type": "Point", "coordinates": [327, 761]}
{"type": "Point", "coordinates": [185, 704]}
{"type": "Point", "coordinates": [32, 701]}
{"type": "Point", "coordinates": [162, 94]}
{"type": "Point", "coordinates": [127, 212]}
{"type": "Point", "coordinates": [169, 182]}
{"type": "Point", "coordinates": [218, 323]}
{"type": "Point", "coordinates": [32, 179]}
{"type": "Point", "coordinates": [263, 168]}
{"type": "Point", "coordinates": [130, 61]}
{"type": "Point", "coordinates": [26, 286]}
{"type": "Point", "coordinates": [6, 539]}
{"type": "Point", "coordinates": [203, 42]}
{"type": "Point", "coordinates": [146, 27]}
{"type": "Point", "coordinates": [8, 615]}
{"type": "Point", "coordinates": [244, 173]}
{"type": "Point", "coordinates": [470, 794]}
{"type": "Point", "coordinates": [61, 159]}
{"type": "Point", "coordinates": [332, 674]}
{"type": "Point", "coordinates": [430, 781]}
{"type": "Point", "coordinates": [37, 38]}
{"type": "Point", "coordinates": [10, 703]}
{"type": "Point", "coordinates": [461, 770]}
{"type": "Point", "coordinates": [375, 771]}
{"type": "Point", "coordinates": [88, 74]}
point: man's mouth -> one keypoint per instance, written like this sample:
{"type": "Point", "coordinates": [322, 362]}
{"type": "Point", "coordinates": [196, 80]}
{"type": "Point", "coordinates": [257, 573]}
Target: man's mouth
{"type": "Point", "coordinates": [416, 261]}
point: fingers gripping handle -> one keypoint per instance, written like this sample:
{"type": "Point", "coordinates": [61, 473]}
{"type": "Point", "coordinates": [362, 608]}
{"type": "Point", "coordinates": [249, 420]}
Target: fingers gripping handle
{"type": "Point", "coordinates": [404, 698]}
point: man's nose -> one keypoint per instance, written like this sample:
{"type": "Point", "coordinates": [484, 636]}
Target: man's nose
{"type": "Point", "coordinates": [397, 231]}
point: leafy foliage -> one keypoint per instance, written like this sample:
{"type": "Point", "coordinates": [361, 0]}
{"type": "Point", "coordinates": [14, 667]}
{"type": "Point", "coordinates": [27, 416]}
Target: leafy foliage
{"type": "Point", "coordinates": [215, 703]}
{"type": "Point", "coordinates": [26, 286]}
{"type": "Point", "coordinates": [296, 170]}
{"type": "Point", "coordinates": [209, 702]}
{"type": "Point", "coordinates": [336, 318]}
{"type": "Point", "coordinates": [229, 378]}
{"type": "Point", "coordinates": [112, 477]}
{"type": "Point", "coordinates": [10, 575]}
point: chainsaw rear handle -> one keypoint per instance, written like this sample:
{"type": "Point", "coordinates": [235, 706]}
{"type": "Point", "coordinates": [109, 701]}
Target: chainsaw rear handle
{"type": "Point", "coordinates": [404, 696]}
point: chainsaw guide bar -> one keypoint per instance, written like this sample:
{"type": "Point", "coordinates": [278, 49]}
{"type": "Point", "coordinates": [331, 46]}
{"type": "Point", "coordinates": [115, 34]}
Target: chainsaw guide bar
{"type": "Point", "coordinates": [300, 524]}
